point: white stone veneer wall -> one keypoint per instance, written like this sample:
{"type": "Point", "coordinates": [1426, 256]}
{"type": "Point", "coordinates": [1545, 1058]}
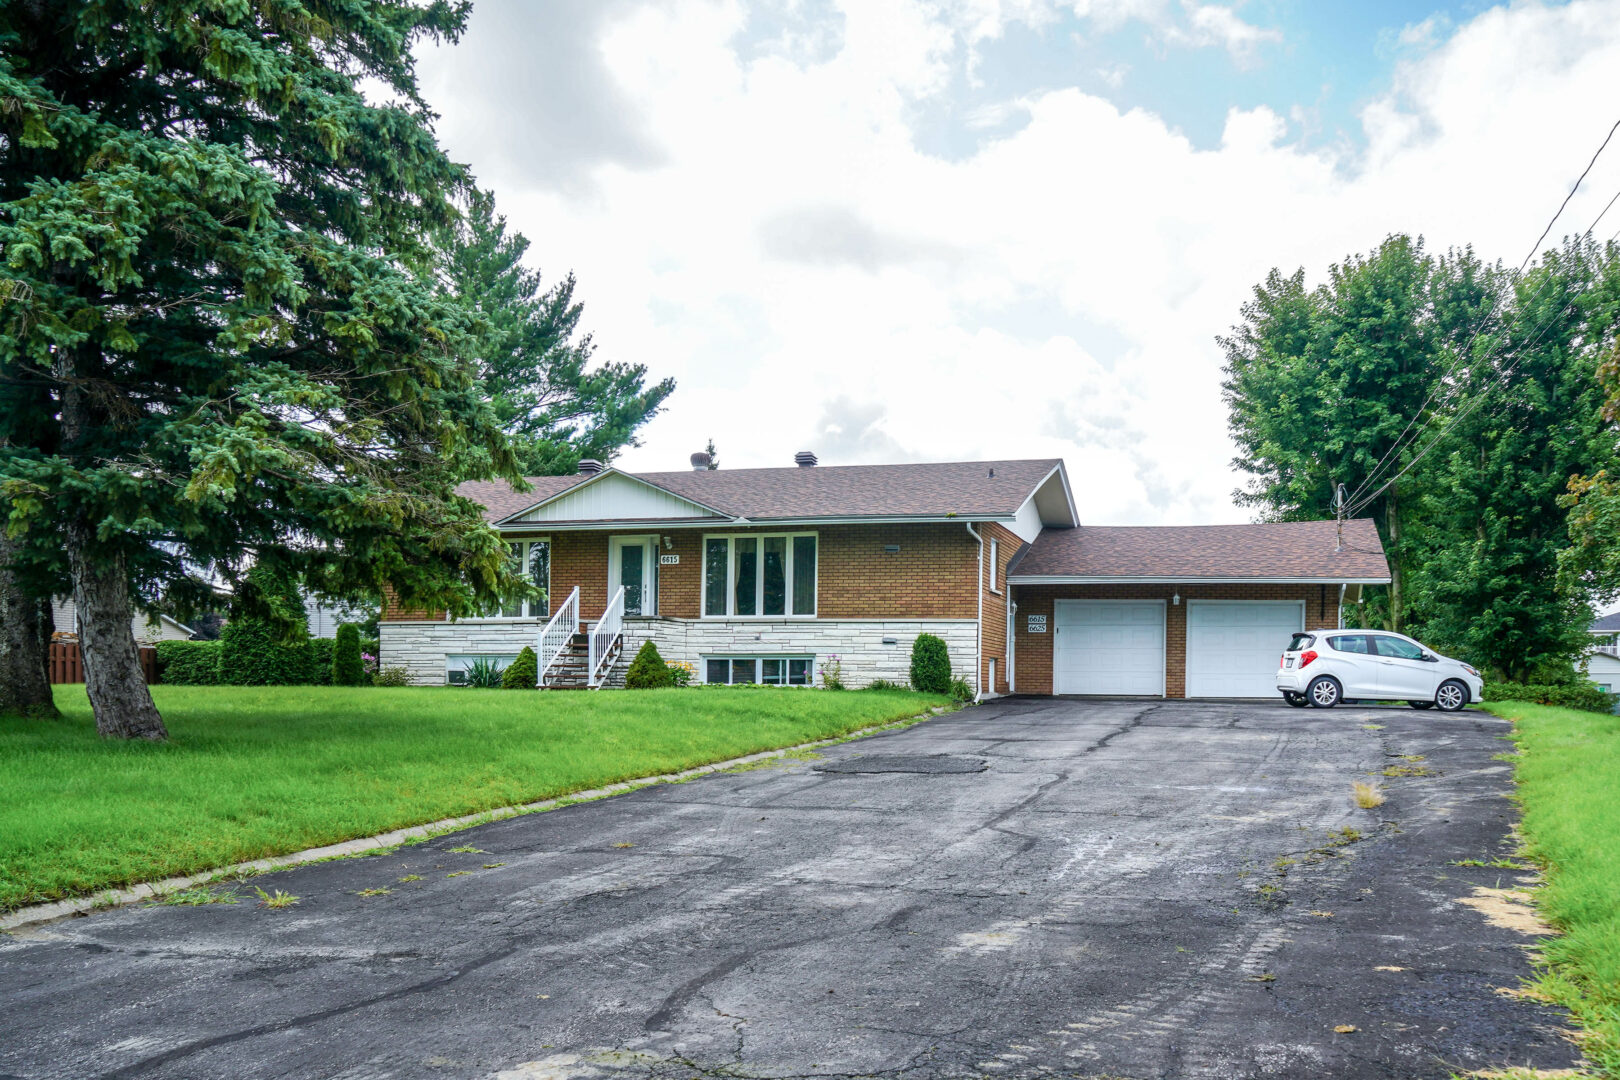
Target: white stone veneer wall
{"type": "Point", "coordinates": [422, 646]}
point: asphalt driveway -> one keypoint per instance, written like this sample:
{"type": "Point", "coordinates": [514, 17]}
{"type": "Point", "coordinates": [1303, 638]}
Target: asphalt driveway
{"type": "Point", "coordinates": [1031, 887]}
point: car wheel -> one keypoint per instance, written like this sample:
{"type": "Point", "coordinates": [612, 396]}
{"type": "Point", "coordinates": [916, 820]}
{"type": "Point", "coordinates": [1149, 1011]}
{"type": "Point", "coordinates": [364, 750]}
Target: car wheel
{"type": "Point", "coordinates": [1296, 700]}
{"type": "Point", "coordinates": [1451, 696]}
{"type": "Point", "coordinates": [1421, 704]}
{"type": "Point", "coordinates": [1324, 692]}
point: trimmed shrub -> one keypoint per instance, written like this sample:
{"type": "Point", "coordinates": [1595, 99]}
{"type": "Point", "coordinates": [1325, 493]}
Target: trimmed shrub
{"type": "Point", "coordinates": [648, 670]}
{"type": "Point", "coordinates": [346, 666]}
{"type": "Point", "coordinates": [188, 663]}
{"type": "Point", "coordinates": [1575, 695]}
{"type": "Point", "coordinates": [256, 650]}
{"type": "Point", "coordinates": [320, 661]}
{"type": "Point", "coordinates": [524, 672]}
{"type": "Point", "coordinates": [930, 665]}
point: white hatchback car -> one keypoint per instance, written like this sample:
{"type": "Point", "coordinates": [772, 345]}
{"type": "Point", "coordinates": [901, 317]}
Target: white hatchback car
{"type": "Point", "coordinates": [1324, 667]}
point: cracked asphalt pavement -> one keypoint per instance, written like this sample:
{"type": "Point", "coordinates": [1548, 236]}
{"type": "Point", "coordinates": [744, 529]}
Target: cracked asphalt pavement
{"type": "Point", "coordinates": [1027, 888]}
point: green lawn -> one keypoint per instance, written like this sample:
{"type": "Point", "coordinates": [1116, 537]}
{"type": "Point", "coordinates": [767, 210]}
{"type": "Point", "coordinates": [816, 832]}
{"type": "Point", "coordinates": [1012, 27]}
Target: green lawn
{"type": "Point", "coordinates": [257, 771]}
{"type": "Point", "coordinates": [1569, 785]}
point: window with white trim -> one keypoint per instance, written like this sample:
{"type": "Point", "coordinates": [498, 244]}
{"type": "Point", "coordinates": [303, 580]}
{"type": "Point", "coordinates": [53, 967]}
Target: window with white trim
{"type": "Point", "coordinates": [768, 670]}
{"type": "Point", "coordinates": [530, 559]}
{"type": "Point", "coordinates": [994, 547]}
{"type": "Point", "coordinates": [755, 575]}
{"type": "Point", "coordinates": [456, 667]}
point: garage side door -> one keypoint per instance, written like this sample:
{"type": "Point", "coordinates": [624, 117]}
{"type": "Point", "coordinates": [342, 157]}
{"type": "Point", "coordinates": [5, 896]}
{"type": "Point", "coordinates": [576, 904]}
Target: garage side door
{"type": "Point", "coordinates": [1232, 648]}
{"type": "Point", "coordinates": [1108, 648]}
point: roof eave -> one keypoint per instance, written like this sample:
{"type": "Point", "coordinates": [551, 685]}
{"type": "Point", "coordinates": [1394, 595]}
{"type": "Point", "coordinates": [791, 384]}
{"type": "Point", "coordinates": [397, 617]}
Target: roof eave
{"type": "Point", "coordinates": [1184, 579]}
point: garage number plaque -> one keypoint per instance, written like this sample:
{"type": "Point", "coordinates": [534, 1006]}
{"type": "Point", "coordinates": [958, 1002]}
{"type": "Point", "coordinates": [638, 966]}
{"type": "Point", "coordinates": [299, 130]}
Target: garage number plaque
{"type": "Point", "coordinates": [1037, 624]}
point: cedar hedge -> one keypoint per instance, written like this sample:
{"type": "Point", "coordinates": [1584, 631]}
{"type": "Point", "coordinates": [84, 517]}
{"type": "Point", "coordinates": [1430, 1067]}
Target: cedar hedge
{"type": "Point", "coordinates": [930, 665]}
{"type": "Point", "coordinates": [1575, 695]}
{"type": "Point", "coordinates": [188, 663]}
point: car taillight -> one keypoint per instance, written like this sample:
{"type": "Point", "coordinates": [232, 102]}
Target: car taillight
{"type": "Point", "coordinates": [1306, 657]}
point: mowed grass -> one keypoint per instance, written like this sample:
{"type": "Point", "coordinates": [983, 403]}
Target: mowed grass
{"type": "Point", "coordinates": [1568, 778]}
{"type": "Point", "coordinates": [251, 772]}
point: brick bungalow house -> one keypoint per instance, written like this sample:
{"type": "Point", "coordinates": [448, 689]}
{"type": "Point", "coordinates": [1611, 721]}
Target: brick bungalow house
{"type": "Point", "coordinates": [765, 575]}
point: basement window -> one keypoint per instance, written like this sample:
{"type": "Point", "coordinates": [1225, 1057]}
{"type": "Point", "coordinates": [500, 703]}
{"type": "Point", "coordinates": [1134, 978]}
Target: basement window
{"type": "Point", "coordinates": [768, 670]}
{"type": "Point", "coordinates": [456, 667]}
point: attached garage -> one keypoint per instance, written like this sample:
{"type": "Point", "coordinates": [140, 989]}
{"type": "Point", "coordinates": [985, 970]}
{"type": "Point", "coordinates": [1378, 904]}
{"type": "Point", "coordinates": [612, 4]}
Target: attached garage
{"type": "Point", "coordinates": [1233, 645]}
{"type": "Point", "coordinates": [1108, 647]}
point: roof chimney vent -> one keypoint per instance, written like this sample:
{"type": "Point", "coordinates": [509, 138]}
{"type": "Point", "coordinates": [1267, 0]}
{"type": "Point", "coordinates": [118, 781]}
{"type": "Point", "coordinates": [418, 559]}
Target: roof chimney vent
{"type": "Point", "coordinates": [804, 458]}
{"type": "Point", "coordinates": [590, 466]}
{"type": "Point", "coordinates": [700, 461]}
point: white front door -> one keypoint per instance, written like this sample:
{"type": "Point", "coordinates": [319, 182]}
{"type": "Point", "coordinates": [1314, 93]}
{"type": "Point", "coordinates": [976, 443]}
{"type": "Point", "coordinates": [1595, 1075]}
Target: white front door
{"type": "Point", "coordinates": [1112, 647]}
{"type": "Point", "coordinates": [633, 564]}
{"type": "Point", "coordinates": [1233, 646]}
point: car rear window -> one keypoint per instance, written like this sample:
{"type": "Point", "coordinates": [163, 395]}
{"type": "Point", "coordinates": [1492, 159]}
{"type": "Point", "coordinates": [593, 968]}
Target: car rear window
{"type": "Point", "coordinates": [1301, 641]}
{"type": "Point", "coordinates": [1351, 643]}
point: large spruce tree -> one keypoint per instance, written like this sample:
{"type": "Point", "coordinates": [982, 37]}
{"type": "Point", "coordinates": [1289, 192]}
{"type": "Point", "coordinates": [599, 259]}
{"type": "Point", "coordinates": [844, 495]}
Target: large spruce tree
{"type": "Point", "coordinates": [534, 362]}
{"type": "Point", "coordinates": [216, 260]}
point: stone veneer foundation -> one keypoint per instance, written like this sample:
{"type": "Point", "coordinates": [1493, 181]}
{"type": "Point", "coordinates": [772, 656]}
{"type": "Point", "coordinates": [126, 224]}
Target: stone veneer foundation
{"type": "Point", "coordinates": [421, 647]}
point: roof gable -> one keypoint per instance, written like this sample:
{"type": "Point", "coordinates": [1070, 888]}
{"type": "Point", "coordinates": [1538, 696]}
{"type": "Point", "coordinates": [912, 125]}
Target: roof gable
{"type": "Point", "coordinates": [612, 495]}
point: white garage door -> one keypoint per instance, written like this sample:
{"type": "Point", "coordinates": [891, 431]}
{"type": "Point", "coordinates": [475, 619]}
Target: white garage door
{"type": "Point", "coordinates": [1233, 646]}
{"type": "Point", "coordinates": [1108, 647]}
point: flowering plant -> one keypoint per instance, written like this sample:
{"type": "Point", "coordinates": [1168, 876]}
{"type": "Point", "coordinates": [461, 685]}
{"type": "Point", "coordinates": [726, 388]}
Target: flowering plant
{"type": "Point", "coordinates": [832, 672]}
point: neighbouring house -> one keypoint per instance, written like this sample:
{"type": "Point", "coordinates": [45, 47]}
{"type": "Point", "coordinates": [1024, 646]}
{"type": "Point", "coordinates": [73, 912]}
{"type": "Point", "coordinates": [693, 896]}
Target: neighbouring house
{"type": "Point", "coordinates": [772, 575]}
{"type": "Point", "coordinates": [325, 617]}
{"type": "Point", "coordinates": [1603, 662]}
{"type": "Point", "coordinates": [148, 630]}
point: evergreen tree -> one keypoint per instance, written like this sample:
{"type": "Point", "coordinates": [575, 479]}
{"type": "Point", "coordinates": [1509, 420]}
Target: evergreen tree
{"type": "Point", "coordinates": [533, 361]}
{"type": "Point", "coordinates": [220, 340]}
{"type": "Point", "coordinates": [524, 674]}
{"type": "Point", "coordinates": [347, 667]}
{"type": "Point", "coordinates": [266, 640]}
{"type": "Point", "coordinates": [648, 670]}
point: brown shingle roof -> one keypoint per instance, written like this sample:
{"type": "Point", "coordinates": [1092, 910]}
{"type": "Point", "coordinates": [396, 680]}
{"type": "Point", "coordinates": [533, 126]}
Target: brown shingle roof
{"type": "Point", "coordinates": [965, 488]}
{"type": "Point", "coordinates": [1291, 549]}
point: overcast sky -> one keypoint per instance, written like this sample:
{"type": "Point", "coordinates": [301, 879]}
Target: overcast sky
{"type": "Point", "coordinates": [892, 230]}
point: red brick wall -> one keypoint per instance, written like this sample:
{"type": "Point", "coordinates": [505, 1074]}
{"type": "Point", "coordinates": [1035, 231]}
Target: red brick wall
{"type": "Point", "coordinates": [994, 643]}
{"type": "Point", "coordinates": [1033, 652]}
{"type": "Point", "coordinates": [933, 575]}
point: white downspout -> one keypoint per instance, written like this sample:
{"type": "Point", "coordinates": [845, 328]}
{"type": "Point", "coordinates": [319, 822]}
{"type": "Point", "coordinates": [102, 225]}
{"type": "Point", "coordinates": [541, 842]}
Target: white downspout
{"type": "Point", "coordinates": [978, 625]}
{"type": "Point", "coordinates": [1012, 642]}
{"type": "Point", "coordinates": [1342, 586]}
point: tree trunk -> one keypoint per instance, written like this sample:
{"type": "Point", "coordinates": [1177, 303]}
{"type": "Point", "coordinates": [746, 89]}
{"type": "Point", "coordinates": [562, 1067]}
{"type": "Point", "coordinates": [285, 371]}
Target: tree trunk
{"type": "Point", "coordinates": [25, 642]}
{"type": "Point", "coordinates": [112, 661]}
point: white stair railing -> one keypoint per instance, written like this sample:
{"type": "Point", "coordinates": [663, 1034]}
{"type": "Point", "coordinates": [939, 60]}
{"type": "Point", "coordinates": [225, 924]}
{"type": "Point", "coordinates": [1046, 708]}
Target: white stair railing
{"type": "Point", "coordinates": [602, 636]}
{"type": "Point", "coordinates": [557, 634]}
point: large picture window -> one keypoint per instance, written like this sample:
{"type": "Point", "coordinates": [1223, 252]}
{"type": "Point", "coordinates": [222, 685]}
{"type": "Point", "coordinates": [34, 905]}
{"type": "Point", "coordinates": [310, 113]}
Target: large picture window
{"type": "Point", "coordinates": [532, 560]}
{"type": "Point", "coordinates": [758, 575]}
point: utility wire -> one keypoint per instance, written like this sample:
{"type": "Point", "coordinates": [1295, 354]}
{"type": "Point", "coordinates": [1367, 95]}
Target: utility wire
{"type": "Point", "coordinates": [1451, 369]}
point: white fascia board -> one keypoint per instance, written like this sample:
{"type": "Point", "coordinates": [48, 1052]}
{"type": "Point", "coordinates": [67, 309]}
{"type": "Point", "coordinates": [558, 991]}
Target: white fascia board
{"type": "Point", "coordinates": [1067, 579]}
{"type": "Point", "coordinates": [508, 525]}
{"type": "Point", "coordinates": [573, 489]}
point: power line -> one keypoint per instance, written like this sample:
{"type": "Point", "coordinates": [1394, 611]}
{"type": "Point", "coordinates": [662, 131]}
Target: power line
{"type": "Point", "coordinates": [1451, 369]}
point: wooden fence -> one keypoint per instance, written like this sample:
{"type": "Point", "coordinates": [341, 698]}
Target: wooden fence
{"type": "Point", "coordinates": [67, 666]}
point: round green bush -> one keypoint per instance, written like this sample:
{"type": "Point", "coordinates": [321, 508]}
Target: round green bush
{"type": "Point", "coordinates": [523, 673]}
{"type": "Point", "coordinates": [930, 665]}
{"type": "Point", "coordinates": [347, 668]}
{"type": "Point", "coordinates": [648, 670]}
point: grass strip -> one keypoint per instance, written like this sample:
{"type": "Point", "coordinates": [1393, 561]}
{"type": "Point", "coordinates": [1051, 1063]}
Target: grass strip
{"type": "Point", "coordinates": [1568, 777]}
{"type": "Point", "coordinates": [254, 772]}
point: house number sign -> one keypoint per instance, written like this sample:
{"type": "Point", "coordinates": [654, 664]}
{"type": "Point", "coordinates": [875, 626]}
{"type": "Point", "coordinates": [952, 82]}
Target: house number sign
{"type": "Point", "coordinates": [669, 560]}
{"type": "Point", "coordinates": [1037, 624]}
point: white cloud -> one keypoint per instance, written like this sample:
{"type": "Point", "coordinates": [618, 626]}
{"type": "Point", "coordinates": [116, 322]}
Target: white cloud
{"type": "Point", "coordinates": [1212, 24]}
{"type": "Point", "coordinates": [814, 280]}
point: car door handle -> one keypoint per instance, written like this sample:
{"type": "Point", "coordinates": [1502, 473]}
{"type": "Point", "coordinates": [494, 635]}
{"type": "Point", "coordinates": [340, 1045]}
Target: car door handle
{"type": "Point", "coordinates": [1386, 661]}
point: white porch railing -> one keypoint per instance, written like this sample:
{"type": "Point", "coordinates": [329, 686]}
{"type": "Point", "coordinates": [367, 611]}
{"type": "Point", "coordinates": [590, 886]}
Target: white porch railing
{"type": "Point", "coordinates": [1607, 650]}
{"type": "Point", "coordinates": [607, 628]}
{"type": "Point", "coordinates": [557, 634]}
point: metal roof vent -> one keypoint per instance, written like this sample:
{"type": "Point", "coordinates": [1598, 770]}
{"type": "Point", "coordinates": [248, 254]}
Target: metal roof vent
{"type": "Point", "coordinates": [590, 466]}
{"type": "Point", "coordinates": [804, 458]}
{"type": "Point", "coordinates": [700, 461]}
